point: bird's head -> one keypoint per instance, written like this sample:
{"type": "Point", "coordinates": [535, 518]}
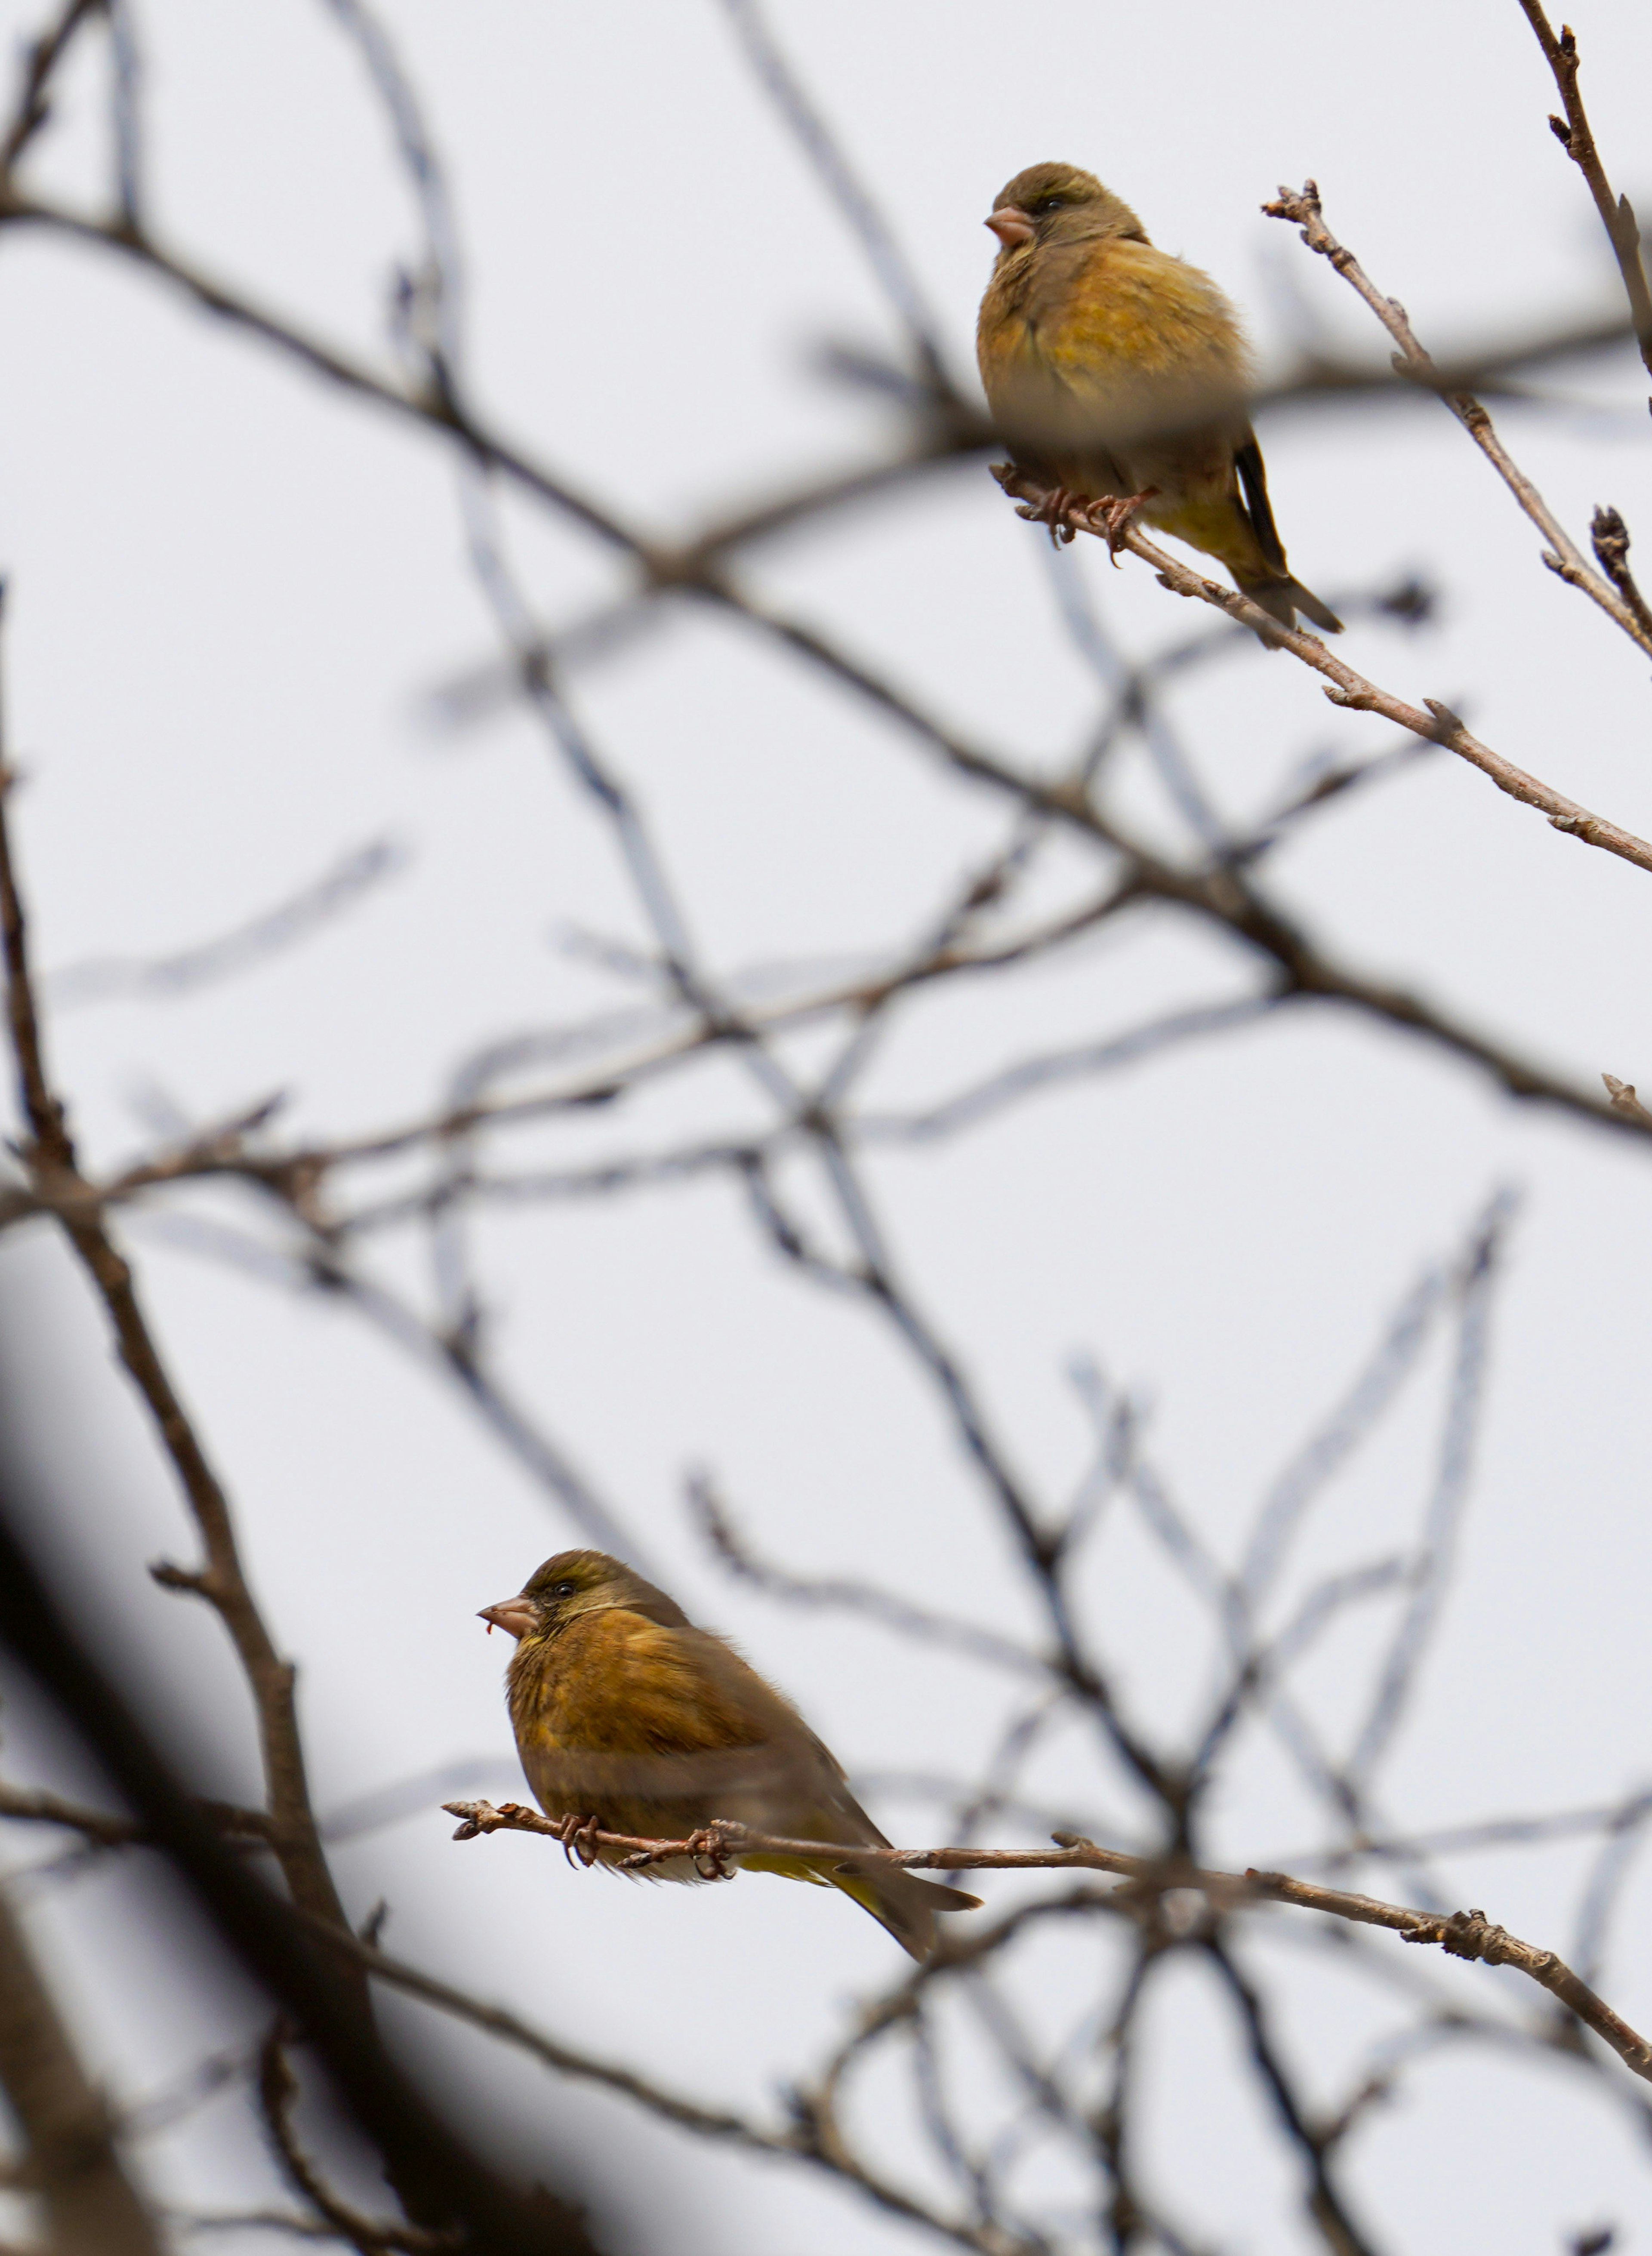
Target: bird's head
{"type": "Point", "coordinates": [1058, 203]}
{"type": "Point", "coordinates": [576, 1582]}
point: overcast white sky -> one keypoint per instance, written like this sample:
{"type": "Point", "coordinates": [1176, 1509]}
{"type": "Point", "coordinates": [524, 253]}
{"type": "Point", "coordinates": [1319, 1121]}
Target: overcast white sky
{"type": "Point", "coordinates": [231, 591]}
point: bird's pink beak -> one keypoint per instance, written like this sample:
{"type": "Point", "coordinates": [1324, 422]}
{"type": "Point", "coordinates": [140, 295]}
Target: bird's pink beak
{"type": "Point", "coordinates": [1012, 226]}
{"type": "Point", "coordinates": [518, 1614]}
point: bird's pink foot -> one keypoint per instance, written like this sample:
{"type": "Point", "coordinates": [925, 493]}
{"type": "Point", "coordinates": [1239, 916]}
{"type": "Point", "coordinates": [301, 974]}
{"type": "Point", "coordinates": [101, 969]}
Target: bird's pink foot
{"type": "Point", "coordinates": [1113, 517]}
{"type": "Point", "coordinates": [578, 1837]}
{"type": "Point", "coordinates": [1063, 512]}
{"type": "Point", "coordinates": [710, 1848]}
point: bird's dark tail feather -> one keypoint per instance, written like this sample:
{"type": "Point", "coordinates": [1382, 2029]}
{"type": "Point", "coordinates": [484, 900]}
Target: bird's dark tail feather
{"type": "Point", "coordinates": [902, 1902]}
{"type": "Point", "coordinates": [1283, 598]}
{"type": "Point", "coordinates": [1280, 595]}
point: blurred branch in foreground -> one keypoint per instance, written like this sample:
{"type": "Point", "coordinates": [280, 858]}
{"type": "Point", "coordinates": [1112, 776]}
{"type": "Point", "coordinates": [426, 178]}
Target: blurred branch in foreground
{"type": "Point", "coordinates": [70, 2163]}
{"type": "Point", "coordinates": [439, 2175]}
{"type": "Point", "coordinates": [1019, 2066]}
{"type": "Point", "coordinates": [112, 978]}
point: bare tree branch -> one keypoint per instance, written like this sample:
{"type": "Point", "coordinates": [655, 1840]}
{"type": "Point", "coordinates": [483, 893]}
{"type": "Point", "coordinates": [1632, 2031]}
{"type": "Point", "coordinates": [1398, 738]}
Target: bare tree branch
{"type": "Point", "coordinates": [1024, 2119]}
{"type": "Point", "coordinates": [32, 107]}
{"type": "Point", "coordinates": [806, 2138]}
{"type": "Point", "coordinates": [1464, 1934]}
{"type": "Point", "coordinates": [277, 2096]}
{"type": "Point", "coordinates": [1438, 724]}
{"type": "Point", "coordinates": [1563, 555]}
{"type": "Point", "coordinates": [808, 127]}
{"type": "Point", "coordinates": [36, 1807]}
{"type": "Point", "coordinates": [111, 978]}
{"type": "Point", "coordinates": [1576, 138]}
{"type": "Point", "coordinates": [1609, 537]}
{"type": "Point", "coordinates": [1621, 1097]}
{"type": "Point", "coordinates": [841, 1595]}
{"type": "Point", "coordinates": [1326, 2204]}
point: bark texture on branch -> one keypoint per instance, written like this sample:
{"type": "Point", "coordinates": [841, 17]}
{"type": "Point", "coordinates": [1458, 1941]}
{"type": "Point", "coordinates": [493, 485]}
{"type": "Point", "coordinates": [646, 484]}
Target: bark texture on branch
{"type": "Point", "coordinates": [1463, 1933]}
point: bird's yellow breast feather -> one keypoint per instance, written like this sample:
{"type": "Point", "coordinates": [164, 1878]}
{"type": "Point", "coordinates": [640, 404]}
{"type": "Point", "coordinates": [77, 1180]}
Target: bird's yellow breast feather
{"type": "Point", "coordinates": [621, 1685]}
{"type": "Point", "coordinates": [1099, 312]}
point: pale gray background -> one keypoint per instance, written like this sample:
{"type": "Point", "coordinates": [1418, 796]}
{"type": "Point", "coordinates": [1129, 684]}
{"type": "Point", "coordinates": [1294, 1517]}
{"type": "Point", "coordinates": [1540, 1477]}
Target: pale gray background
{"type": "Point", "coordinates": [231, 589]}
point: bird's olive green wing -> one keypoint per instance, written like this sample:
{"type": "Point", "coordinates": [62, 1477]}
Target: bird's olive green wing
{"type": "Point", "coordinates": [633, 1721]}
{"type": "Point", "coordinates": [790, 1782]}
{"type": "Point", "coordinates": [657, 1730]}
{"type": "Point", "coordinates": [808, 1799]}
{"type": "Point", "coordinates": [1119, 312]}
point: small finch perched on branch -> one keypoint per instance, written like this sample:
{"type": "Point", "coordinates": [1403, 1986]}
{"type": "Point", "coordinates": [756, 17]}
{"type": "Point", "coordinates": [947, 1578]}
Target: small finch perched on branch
{"type": "Point", "coordinates": [627, 1715]}
{"type": "Point", "coordinates": [1118, 376]}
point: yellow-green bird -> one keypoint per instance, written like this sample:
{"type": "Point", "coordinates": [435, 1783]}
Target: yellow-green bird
{"type": "Point", "coordinates": [1115, 371]}
{"type": "Point", "coordinates": [626, 1712]}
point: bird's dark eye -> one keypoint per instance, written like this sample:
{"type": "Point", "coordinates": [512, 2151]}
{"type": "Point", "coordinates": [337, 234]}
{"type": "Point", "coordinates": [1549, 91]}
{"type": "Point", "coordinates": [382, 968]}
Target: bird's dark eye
{"type": "Point", "coordinates": [1047, 204]}
{"type": "Point", "coordinates": [563, 1590]}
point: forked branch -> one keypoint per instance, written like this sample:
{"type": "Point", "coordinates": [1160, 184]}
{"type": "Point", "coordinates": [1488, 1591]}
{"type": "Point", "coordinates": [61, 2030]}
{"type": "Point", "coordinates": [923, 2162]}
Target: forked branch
{"type": "Point", "coordinates": [1563, 555]}
{"type": "Point", "coordinates": [1436, 725]}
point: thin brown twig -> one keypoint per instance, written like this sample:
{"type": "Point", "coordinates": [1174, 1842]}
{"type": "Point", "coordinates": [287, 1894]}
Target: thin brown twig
{"type": "Point", "coordinates": [1349, 688]}
{"type": "Point", "coordinates": [99, 1826]}
{"type": "Point", "coordinates": [277, 2096]}
{"type": "Point", "coordinates": [1577, 137]}
{"type": "Point", "coordinates": [296, 1176]}
{"type": "Point", "coordinates": [810, 2136]}
{"type": "Point", "coordinates": [442, 413]}
{"type": "Point", "coordinates": [921, 1623]}
{"type": "Point", "coordinates": [1464, 1934]}
{"type": "Point", "coordinates": [680, 569]}
{"type": "Point", "coordinates": [1621, 1097]}
{"type": "Point", "coordinates": [1609, 537]}
{"type": "Point", "coordinates": [105, 1829]}
{"type": "Point", "coordinates": [1563, 555]}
